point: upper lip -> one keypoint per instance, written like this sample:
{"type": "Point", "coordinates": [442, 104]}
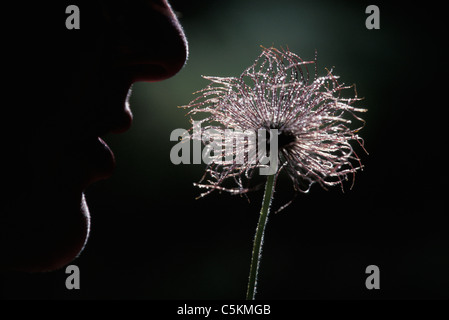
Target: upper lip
{"type": "Point", "coordinates": [116, 116]}
{"type": "Point", "coordinates": [117, 124]}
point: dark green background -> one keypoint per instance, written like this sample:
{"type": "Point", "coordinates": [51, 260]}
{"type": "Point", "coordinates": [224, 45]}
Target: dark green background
{"type": "Point", "coordinates": [151, 240]}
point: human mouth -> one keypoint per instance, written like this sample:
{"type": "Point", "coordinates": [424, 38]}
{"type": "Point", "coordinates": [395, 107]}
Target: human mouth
{"type": "Point", "coordinates": [99, 158]}
{"type": "Point", "coordinates": [98, 161]}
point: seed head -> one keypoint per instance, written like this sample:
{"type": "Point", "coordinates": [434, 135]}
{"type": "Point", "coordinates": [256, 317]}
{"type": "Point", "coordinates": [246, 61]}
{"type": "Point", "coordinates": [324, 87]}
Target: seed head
{"type": "Point", "coordinates": [277, 92]}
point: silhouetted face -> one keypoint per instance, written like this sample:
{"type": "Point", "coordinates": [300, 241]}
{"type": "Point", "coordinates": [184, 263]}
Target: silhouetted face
{"type": "Point", "coordinates": [64, 90]}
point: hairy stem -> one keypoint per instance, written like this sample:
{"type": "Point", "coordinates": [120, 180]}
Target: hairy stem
{"type": "Point", "coordinates": [258, 240]}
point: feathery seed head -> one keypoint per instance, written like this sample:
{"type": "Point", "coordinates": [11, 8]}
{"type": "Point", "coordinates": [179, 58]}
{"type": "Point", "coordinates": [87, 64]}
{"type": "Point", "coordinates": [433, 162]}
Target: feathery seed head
{"type": "Point", "coordinates": [311, 117]}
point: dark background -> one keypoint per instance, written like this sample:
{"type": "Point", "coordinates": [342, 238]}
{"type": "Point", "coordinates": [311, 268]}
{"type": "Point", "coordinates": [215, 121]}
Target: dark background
{"type": "Point", "coordinates": [152, 240]}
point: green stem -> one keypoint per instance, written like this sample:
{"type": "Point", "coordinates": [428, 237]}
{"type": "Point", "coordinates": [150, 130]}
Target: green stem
{"type": "Point", "coordinates": [258, 240]}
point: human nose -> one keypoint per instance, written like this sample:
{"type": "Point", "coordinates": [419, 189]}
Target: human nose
{"type": "Point", "coordinates": [151, 43]}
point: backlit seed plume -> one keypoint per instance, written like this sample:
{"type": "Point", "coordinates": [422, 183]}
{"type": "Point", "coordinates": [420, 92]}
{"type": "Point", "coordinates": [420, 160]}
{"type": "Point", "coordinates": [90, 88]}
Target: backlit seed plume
{"type": "Point", "coordinates": [312, 117]}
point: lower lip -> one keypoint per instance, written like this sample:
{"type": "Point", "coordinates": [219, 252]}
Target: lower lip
{"type": "Point", "coordinates": [100, 161]}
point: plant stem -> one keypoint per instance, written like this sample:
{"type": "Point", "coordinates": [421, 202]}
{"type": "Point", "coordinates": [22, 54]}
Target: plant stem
{"type": "Point", "coordinates": [258, 240]}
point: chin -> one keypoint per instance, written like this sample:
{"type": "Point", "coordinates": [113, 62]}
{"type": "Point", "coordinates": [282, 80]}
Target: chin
{"type": "Point", "coordinates": [55, 238]}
